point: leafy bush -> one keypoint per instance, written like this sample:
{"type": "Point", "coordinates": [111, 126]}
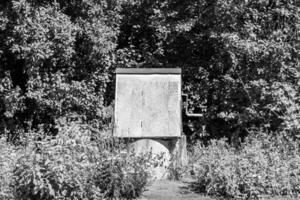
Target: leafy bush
{"type": "Point", "coordinates": [8, 156]}
{"type": "Point", "coordinates": [265, 165]}
{"type": "Point", "coordinates": [77, 164]}
{"type": "Point", "coordinates": [124, 175]}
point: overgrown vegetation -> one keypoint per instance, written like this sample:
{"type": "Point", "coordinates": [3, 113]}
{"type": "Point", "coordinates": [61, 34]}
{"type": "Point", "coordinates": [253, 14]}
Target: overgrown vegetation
{"type": "Point", "coordinates": [264, 166]}
{"type": "Point", "coordinates": [241, 70]}
{"type": "Point", "coordinates": [75, 164]}
{"type": "Point", "coordinates": [240, 61]}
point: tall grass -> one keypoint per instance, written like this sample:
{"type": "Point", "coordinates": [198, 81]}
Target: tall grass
{"type": "Point", "coordinates": [8, 156]}
{"type": "Point", "coordinates": [265, 165]}
{"type": "Point", "coordinates": [75, 164]}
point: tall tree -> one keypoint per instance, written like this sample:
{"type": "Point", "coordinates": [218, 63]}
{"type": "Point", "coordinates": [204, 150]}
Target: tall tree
{"type": "Point", "coordinates": [56, 60]}
{"type": "Point", "coordinates": [240, 59]}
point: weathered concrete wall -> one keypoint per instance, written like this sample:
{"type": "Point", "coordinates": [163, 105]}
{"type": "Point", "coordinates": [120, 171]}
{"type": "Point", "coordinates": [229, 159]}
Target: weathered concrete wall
{"type": "Point", "coordinates": [148, 106]}
{"type": "Point", "coordinates": [148, 114]}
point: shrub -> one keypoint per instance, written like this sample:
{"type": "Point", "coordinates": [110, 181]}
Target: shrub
{"type": "Point", "coordinates": [8, 156]}
{"type": "Point", "coordinates": [265, 165]}
{"type": "Point", "coordinates": [77, 164]}
{"type": "Point", "coordinates": [124, 175]}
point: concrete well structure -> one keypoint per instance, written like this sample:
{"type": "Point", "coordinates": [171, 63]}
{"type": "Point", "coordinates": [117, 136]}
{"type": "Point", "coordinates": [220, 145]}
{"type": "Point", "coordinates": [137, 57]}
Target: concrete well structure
{"type": "Point", "coordinates": [148, 113]}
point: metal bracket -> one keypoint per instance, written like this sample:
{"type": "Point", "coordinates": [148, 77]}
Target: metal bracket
{"type": "Point", "coordinates": [185, 104]}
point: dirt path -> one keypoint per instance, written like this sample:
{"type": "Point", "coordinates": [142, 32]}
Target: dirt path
{"type": "Point", "coordinates": [171, 190]}
{"type": "Point", "coordinates": [179, 190]}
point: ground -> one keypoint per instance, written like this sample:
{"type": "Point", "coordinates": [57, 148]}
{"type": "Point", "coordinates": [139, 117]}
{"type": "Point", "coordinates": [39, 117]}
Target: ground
{"type": "Point", "coordinates": [180, 190]}
{"type": "Point", "coordinates": [171, 190]}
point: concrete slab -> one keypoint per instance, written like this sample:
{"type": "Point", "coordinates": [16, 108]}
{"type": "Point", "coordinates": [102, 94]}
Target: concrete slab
{"type": "Point", "coordinates": [148, 106]}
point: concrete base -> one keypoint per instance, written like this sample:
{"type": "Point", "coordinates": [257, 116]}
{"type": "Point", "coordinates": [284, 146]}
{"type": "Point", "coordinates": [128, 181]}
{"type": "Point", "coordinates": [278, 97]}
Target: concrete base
{"type": "Point", "coordinates": [171, 150]}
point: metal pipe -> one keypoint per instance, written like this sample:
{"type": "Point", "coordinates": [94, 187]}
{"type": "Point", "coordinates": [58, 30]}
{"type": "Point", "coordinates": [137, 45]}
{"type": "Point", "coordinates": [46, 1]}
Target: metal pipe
{"type": "Point", "coordinates": [186, 108]}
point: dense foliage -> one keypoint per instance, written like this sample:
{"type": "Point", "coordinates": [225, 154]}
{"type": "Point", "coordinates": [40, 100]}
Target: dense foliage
{"type": "Point", "coordinates": [241, 70]}
{"type": "Point", "coordinates": [265, 166]}
{"type": "Point", "coordinates": [240, 61]}
{"type": "Point", "coordinates": [75, 164]}
{"type": "Point", "coordinates": [56, 59]}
